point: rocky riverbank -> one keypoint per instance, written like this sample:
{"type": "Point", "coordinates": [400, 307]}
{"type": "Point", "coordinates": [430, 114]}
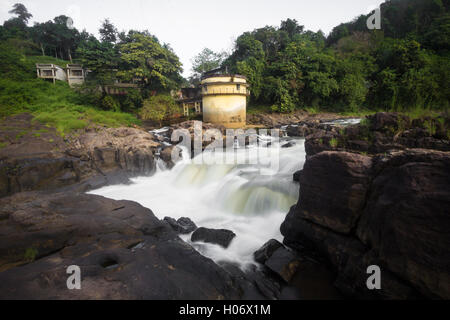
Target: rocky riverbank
{"type": "Point", "coordinates": [378, 193]}
{"type": "Point", "coordinates": [276, 120]}
{"type": "Point", "coordinates": [36, 157]}
{"type": "Point", "coordinates": [371, 194]}
{"type": "Point", "coordinates": [123, 250]}
{"type": "Point", "coordinates": [47, 223]}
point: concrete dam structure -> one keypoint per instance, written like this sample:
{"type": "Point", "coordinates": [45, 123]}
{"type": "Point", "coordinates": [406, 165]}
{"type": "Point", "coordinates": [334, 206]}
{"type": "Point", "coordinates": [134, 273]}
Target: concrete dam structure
{"type": "Point", "coordinates": [224, 99]}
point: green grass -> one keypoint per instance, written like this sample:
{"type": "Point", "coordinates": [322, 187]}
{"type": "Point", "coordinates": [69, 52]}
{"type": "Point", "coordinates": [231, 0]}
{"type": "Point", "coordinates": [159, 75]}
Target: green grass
{"type": "Point", "coordinates": [430, 127]}
{"type": "Point", "coordinates": [3, 144]}
{"type": "Point", "coordinates": [21, 134]}
{"type": "Point", "coordinates": [312, 110]}
{"type": "Point", "coordinates": [57, 105]}
{"type": "Point", "coordinates": [419, 113]}
{"type": "Point", "coordinates": [334, 143]}
{"type": "Point", "coordinates": [258, 108]}
{"type": "Point", "coordinates": [69, 118]}
{"type": "Point", "coordinates": [30, 254]}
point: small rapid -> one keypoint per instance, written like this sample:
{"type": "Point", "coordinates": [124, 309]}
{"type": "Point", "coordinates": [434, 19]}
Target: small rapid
{"type": "Point", "coordinates": [238, 197]}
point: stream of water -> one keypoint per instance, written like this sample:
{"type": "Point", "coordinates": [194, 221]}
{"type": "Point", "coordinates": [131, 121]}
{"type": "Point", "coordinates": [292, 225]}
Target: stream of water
{"type": "Point", "coordinates": [236, 197]}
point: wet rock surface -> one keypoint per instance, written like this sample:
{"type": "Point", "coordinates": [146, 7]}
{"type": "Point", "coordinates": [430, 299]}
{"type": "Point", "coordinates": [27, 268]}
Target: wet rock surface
{"type": "Point", "coordinates": [283, 262]}
{"type": "Point", "coordinates": [182, 225]}
{"type": "Point", "coordinates": [381, 133]}
{"type": "Point", "coordinates": [384, 202]}
{"type": "Point", "coordinates": [265, 252]}
{"type": "Point", "coordinates": [38, 158]}
{"type": "Point", "coordinates": [122, 249]}
{"type": "Point", "coordinates": [220, 237]}
{"type": "Point", "coordinates": [276, 120]}
{"type": "Point", "coordinates": [301, 275]}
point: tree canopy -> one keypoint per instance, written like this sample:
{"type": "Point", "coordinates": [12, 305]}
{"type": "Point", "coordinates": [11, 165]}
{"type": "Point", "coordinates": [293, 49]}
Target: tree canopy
{"type": "Point", "coordinates": [397, 68]}
{"type": "Point", "coordinates": [204, 61]}
{"type": "Point", "coordinates": [402, 66]}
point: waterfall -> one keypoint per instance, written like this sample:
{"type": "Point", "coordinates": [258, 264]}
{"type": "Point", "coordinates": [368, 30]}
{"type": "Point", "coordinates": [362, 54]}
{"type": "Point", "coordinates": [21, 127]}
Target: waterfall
{"type": "Point", "coordinates": [229, 196]}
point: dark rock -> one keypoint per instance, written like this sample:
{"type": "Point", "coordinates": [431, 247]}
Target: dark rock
{"type": "Point", "coordinates": [166, 155]}
{"type": "Point", "coordinates": [389, 210]}
{"type": "Point", "coordinates": [256, 285]}
{"type": "Point", "coordinates": [407, 219]}
{"type": "Point", "coordinates": [318, 142]}
{"type": "Point", "coordinates": [283, 262]}
{"type": "Point", "coordinates": [297, 176]}
{"type": "Point", "coordinates": [123, 250]}
{"type": "Point", "coordinates": [289, 144]}
{"type": "Point", "coordinates": [266, 251]}
{"type": "Point", "coordinates": [334, 186]}
{"type": "Point", "coordinates": [221, 237]}
{"type": "Point", "coordinates": [182, 225]}
{"type": "Point", "coordinates": [33, 163]}
{"type": "Point", "coordinates": [386, 120]}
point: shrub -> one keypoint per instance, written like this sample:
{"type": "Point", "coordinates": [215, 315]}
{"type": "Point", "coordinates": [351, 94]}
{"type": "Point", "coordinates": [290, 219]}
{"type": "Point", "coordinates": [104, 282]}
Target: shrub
{"type": "Point", "coordinates": [158, 108]}
{"type": "Point", "coordinates": [334, 143]}
{"type": "Point", "coordinates": [109, 103]}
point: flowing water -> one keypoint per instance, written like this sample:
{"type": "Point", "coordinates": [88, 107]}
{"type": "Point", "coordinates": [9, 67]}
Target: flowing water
{"type": "Point", "coordinates": [252, 200]}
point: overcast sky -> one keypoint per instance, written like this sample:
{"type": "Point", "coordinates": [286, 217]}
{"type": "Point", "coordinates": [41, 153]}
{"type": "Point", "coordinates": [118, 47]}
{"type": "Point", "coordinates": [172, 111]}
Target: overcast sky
{"type": "Point", "coordinates": [191, 25]}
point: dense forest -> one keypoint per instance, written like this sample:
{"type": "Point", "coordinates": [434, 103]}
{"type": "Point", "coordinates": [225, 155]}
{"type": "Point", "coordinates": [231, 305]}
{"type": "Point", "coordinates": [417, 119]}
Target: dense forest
{"type": "Point", "coordinates": [402, 67]}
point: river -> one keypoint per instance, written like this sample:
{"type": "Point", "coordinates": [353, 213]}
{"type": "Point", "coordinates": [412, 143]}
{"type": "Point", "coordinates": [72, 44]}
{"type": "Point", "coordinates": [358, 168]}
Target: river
{"type": "Point", "coordinates": [244, 198]}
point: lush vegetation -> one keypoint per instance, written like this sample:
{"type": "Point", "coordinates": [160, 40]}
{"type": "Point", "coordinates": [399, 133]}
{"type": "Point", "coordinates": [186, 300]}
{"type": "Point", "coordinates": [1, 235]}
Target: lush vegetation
{"type": "Point", "coordinates": [133, 57]}
{"type": "Point", "coordinates": [402, 67]}
{"type": "Point", "coordinates": [158, 108]}
{"type": "Point", "coordinates": [206, 60]}
{"type": "Point", "coordinates": [57, 105]}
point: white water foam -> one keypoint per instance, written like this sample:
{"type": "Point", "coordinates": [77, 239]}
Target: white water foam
{"type": "Point", "coordinates": [235, 197]}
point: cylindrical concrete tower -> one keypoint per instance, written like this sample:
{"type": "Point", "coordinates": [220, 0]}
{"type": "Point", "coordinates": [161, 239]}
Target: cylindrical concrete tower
{"type": "Point", "coordinates": [224, 100]}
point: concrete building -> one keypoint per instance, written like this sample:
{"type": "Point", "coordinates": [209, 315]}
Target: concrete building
{"type": "Point", "coordinates": [224, 99]}
{"type": "Point", "coordinates": [50, 71]}
{"type": "Point", "coordinates": [75, 74]}
{"type": "Point", "coordinates": [190, 99]}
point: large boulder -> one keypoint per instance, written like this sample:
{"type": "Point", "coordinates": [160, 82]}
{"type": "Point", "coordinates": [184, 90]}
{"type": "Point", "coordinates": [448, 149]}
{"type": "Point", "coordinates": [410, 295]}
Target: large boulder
{"type": "Point", "coordinates": [123, 250]}
{"type": "Point", "coordinates": [265, 252]}
{"type": "Point", "coordinates": [38, 158]}
{"type": "Point", "coordinates": [390, 210]}
{"type": "Point", "coordinates": [283, 262]}
{"type": "Point", "coordinates": [220, 237]}
{"type": "Point", "coordinates": [333, 189]}
{"type": "Point", "coordinates": [407, 219]}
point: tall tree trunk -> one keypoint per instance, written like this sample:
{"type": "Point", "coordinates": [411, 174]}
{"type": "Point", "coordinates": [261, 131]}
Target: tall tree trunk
{"type": "Point", "coordinates": [70, 56]}
{"type": "Point", "coordinates": [42, 49]}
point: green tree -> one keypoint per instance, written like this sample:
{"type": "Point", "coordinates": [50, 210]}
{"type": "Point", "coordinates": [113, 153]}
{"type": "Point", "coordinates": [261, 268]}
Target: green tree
{"type": "Point", "coordinates": [292, 27]}
{"type": "Point", "coordinates": [158, 108]}
{"type": "Point", "coordinates": [155, 66]}
{"type": "Point", "coordinates": [108, 32]}
{"type": "Point", "coordinates": [204, 61]}
{"type": "Point", "coordinates": [21, 12]}
{"type": "Point", "coordinates": [101, 58]}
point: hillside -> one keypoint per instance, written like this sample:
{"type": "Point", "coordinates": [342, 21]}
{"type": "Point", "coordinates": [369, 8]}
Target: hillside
{"type": "Point", "coordinates": [56, 105]}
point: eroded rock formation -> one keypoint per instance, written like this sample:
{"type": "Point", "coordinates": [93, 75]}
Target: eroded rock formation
{"type": "Point", "coordinates": [377, 202]}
